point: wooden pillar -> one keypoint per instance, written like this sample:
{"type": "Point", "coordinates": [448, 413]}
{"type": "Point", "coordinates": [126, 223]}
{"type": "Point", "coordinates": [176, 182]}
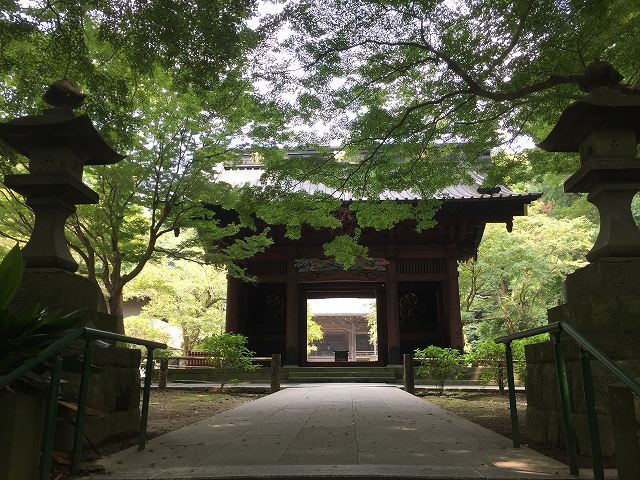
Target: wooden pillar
{"type": "Point", "coordinates": [456, 338]}
{"type": "Point", "coordinates": [233, 304]}
{"type": "Point", "coordinates": [393, 315]}
{"type": "Point", "coordinates": [291, 329]}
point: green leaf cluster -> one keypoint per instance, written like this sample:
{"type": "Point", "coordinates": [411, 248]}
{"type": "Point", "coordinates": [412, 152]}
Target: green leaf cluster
{"type": "Point", "coordinates": [182, 293]}
{"type": "Point", "coordinates": [229, 352]}
{"type": "Point", "coordinates": [314, 333]}
{"type": "Point", "coordinates": [439, 363]}
{"type": "Point", "coordinates": [517, 276]}
{"type": "Point", "coordinates": [345, 249]}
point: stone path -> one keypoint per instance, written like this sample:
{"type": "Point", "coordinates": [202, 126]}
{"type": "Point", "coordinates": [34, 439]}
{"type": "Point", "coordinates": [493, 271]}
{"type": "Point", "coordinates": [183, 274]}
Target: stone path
{"type": "Point", "coordinates": [246, 386]}
{"type": "Point", "coordinates": [342, 431]}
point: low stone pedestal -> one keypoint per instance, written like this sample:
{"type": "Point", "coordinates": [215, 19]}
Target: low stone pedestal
{"type": "Point", "coordinates": [21, 427]}
{"type": "Point", "coordinates": [602, 297]}
{"type": "Point", "coordinates": [603, 303]}
{"type": "Point", "coordinates": [544, 416]}
{"type": "Point", "coordinates": [114, 390]}
{"type": "Point", "coordinates": [60, 289]}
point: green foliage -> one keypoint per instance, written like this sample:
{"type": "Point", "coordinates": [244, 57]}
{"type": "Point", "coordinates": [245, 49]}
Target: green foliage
{"type": "Point", "coordinates": [345, 249]}
{"type": "Point", "coordinates": [398, 81]}
{"type": "Point", "coordinates": [381, 215]}
{"type": "Point", "coordinates": [519, 275]}
{"type": "Point", "coordinates": [165, 353]}
{"type": "Point", "coordinates": [298, 209]}
{"type": "Point", "coordinates": [182, 293]}
{"type": "Point", "coordinates": [141, 327]}
{"type": "Point", "coordinates": [372, 323]}
{"type": "Point", "coordinates": [439, 363]}
{"type": "Point", "coordinates": [174, 114]}
{"type": "Point", "coordinates": [491, 357]}
{"type": "Point", "coordinates": [314, 333]}
{"type": "Point", "coordinates": [228, 351]}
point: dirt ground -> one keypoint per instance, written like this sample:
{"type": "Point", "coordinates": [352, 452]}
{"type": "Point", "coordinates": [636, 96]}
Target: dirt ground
{"type": "Point", "coordinates": [168, 411]}
{"type": "Point", "coordinates": [171, 409]}
{"type": "Point", "coordinates": [491, 410]}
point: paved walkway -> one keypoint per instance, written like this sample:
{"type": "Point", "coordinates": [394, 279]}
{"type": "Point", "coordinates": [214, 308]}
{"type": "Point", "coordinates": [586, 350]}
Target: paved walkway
{"type": "Point", "coordinates": [265, 387]}
{"type": "Point", "coordinates": [348, 431]}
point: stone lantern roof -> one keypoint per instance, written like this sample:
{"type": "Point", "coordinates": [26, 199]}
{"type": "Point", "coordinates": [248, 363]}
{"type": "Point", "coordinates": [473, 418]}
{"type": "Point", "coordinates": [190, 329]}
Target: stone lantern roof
{"type": "Point", "coordinates": [605, 107]}
{"type": "Point", "coordinates": [60, 127]}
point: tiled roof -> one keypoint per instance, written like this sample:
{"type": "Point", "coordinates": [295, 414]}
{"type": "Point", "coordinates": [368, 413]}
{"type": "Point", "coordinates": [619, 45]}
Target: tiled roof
{"type": "Point", "coordinates": [252, 175]}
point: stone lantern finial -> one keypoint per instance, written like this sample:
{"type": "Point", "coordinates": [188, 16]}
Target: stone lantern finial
{"type": "Point", "coordinates": [600, 74]}
{"type": "Point", "coordinates": [64, 93]}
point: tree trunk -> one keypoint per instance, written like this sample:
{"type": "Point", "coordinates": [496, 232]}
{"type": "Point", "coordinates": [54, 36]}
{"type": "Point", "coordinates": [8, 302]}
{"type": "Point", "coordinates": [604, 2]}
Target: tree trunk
{"type": "Point", "coordinates": [187, 346]}
{"type": "Point", "coordinates": [162, 375]}
{"type": "Point", "coordinates": [116, 304]}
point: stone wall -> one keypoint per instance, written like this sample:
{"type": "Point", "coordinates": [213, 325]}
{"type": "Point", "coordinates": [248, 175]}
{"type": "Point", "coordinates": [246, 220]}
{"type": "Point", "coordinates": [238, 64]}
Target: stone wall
{"type": "Point", "coordinates": [544, 416]}
{"type": "Point", "coordinates": [114, 390]}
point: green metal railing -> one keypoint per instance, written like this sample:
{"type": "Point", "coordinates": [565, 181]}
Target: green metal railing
{"type": "Point", "coordinates": [587, 352]}
{"type": "Point", "coordinates": [55, 350]}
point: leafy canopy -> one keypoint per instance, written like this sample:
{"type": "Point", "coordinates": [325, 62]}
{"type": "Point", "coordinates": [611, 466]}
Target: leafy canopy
{"type": "Point", "coordinates": [409, 83]}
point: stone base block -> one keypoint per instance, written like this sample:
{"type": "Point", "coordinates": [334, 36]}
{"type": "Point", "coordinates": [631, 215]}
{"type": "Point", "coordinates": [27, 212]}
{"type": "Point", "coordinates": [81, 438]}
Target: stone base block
{"type": "Point", "coordinates": [544, 417]}
{"type": "Point", "coordinates": [21, 427]}
{"type": "Point", "coordinates": [603, 297]}
{"type": "Point", "coordinates": [59, 289]}
{"type": "Point", "coordinates": [114, 391]}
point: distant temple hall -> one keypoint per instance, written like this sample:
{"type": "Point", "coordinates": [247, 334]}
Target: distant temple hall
{"type": "Point", "coordinates": [411, 279]}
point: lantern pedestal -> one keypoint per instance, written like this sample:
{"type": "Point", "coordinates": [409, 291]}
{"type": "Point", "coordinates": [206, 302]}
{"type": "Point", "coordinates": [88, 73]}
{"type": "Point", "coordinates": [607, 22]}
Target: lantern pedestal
{"type": "Point", "coordinates": [602, 299]}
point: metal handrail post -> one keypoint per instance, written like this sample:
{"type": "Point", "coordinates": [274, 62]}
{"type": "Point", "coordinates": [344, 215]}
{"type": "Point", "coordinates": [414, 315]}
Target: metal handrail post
{"type": "Point", "coordinates": [513, 407]}
{"type": "Point", "coordinates": [50, 419]}
{"type": "Point", "coordinates": [145, 399]}
{"type": "Point", "coordinates": [563, 389]}
{"type": "Point", "coordinates": [592, 416]}
{"type": "Point", "coordinates": [82, 406]}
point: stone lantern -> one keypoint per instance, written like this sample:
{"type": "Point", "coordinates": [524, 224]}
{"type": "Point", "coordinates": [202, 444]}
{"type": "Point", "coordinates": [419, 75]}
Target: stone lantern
{"type": "Point", "coordinates": [602, 299]}
{"type": "Point", "coordinates": [604, 128]}
{"type": "Point", "coordinates": [58, 144]}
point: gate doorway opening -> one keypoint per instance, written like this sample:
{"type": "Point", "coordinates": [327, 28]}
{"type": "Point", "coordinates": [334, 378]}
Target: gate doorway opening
{"type": "Point", "coordinates": [342, 329]}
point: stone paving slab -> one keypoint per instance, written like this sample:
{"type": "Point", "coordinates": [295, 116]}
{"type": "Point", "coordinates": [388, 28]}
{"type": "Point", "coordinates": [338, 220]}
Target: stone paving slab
{"type": "Point", "coordinates": [341, 431]}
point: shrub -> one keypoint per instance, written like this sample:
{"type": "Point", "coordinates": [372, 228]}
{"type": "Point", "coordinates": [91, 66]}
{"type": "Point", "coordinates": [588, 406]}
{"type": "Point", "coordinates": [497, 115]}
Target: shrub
{"type": "Point", "coordinates": [490, 355]}
{"type": "Point", "coordinates": [228, 351]}
{"type": "Point", "coordinates": [439, 363]}
{"type": "Point", "coordinates": [519, 360]}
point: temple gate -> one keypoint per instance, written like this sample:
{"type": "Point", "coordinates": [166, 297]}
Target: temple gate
{"type": "Point", "coordinates": [413, 276]}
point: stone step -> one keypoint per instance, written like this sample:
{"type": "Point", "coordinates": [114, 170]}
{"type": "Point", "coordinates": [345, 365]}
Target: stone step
{"type": "Point", "coordinates": [341, 373]}
{"type": "Point", "coordinates": [393, 371]}
{"type": "Point", "coordinates": [344, 379]}
{"type": "Point", "coordinates": [361, 377]}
